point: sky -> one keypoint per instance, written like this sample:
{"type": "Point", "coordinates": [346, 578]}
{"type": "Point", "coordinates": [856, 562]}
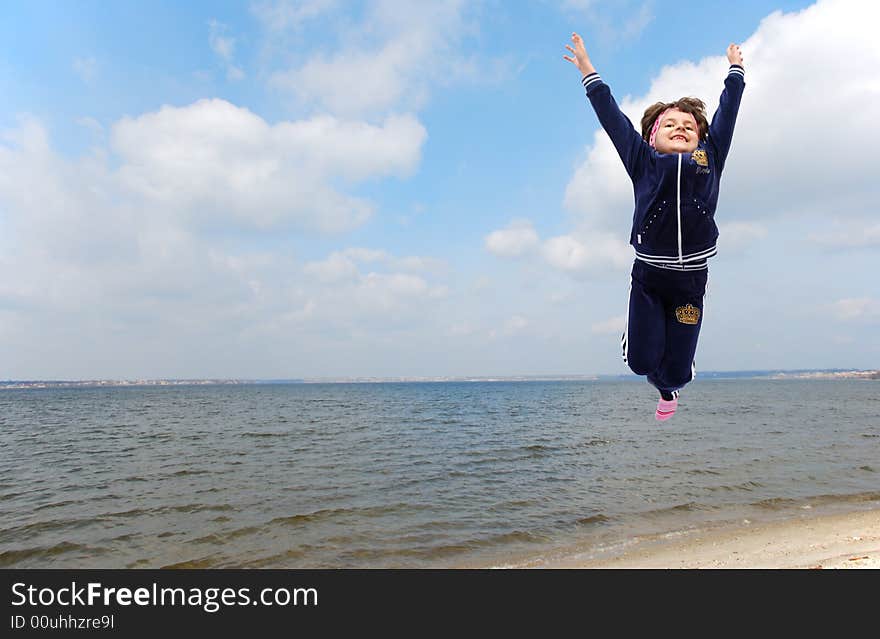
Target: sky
{"type": "Point", "coordinates": [383, 188]}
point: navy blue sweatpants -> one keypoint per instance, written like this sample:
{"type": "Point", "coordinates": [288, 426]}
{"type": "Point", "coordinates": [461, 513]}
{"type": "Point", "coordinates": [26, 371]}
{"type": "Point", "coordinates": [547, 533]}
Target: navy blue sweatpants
{"type": "Point", "coordinates": [663, 324]}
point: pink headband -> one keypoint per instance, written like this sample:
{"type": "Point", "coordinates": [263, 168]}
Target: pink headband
{"type": "Point", "coordinates": [657, 125]}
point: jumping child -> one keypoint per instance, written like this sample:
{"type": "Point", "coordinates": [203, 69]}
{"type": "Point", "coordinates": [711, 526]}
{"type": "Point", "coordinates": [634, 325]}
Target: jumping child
{"type": "Point", "coordinates": [675, 166]}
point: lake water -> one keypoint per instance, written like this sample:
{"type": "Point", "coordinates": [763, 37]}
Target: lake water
{"type": "Point", "coordinates": [470, 474]}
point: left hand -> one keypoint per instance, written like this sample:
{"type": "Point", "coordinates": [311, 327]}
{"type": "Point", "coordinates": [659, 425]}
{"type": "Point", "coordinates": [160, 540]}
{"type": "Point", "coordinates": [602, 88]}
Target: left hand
{"type": "Point", "coordinates": [734, 54]}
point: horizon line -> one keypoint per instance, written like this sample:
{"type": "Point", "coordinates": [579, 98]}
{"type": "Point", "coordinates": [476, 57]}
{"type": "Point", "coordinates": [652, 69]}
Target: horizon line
{"type": "Point", "coordinates": [478, 377]}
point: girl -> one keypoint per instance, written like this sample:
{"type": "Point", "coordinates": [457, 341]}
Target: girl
{"type": "Point", "coordinates": [675, 166]}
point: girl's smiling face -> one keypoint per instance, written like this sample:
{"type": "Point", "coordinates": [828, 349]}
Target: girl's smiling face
{"type": "Point", "coordinates": [678, 133]}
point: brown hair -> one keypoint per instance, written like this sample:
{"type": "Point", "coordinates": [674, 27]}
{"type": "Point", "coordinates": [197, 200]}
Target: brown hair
{"type": "Point", "coordinates": [694, 106]}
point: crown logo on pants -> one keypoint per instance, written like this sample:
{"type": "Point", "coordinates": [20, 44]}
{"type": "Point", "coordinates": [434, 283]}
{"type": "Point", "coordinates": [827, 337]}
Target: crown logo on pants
{"type": "Point", "coordinates": [687, 314]}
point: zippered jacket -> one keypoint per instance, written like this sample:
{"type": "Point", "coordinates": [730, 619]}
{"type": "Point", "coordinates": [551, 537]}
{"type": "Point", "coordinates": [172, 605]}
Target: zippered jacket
{"type": "Point", "coordinates": [675, 194]}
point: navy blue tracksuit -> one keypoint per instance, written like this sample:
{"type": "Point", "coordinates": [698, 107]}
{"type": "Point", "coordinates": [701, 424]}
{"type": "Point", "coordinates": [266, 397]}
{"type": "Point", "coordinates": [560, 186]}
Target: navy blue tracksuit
{"type": "Point", "coordinates": [673, 233]}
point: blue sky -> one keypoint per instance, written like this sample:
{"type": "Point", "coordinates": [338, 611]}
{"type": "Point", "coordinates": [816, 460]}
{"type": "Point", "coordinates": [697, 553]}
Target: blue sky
{"type": "Point", "coordinates": [324, 188]}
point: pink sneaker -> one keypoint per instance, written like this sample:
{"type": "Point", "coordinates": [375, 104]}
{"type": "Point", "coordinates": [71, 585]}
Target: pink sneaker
{"type": "Point", "coordinates": [665, 409]}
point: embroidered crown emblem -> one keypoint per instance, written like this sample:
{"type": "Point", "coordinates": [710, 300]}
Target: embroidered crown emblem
{"type": "Point", "coordinates": [687, 314]}
{"type": "Point", "coordinates": [700, 158]}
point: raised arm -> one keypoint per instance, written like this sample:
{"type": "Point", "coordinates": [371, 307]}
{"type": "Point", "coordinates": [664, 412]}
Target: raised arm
{"type": "Point", "coordinates": [630, 146]}
{"type": "Point", "coordinates": [721, 128]}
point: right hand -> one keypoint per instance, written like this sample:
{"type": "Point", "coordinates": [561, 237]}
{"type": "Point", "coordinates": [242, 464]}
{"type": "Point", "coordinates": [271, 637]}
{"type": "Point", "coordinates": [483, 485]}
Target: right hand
{"type": "Point", "coordinates": [581, 60]}
{"type": "Point", "coordinates": [734, 54]}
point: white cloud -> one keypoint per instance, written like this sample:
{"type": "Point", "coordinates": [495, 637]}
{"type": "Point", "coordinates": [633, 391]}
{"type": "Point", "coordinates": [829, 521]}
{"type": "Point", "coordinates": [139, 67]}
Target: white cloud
{"type": "Point", "coordinates": [580, 254]}
{"type": "Point", "coordinates": [343, 265]}
{"type": "Point", "coordinates": [735, 237]}
{"type": "Point", "coordinates": [378, 301]}
{"type": "Point", "coordinates": [335, 268]}
{"type": "Point", "coordinates": [214, 162]}
{"type": "Point", "coordinates": [290, 14]}
{"type": "Point", "coordinates": [378, 77]}
{"type": "Point", "coordinates": [336, 301]}
{"type": "Point", "coordinates": [367, 255]}
{"type": "Point", "coordinates": [518, 239]}
{"type": "Point", "coordinates": [224, 47]}
{"type": "Point", "coordinates": [128, 247]}
{"type": "Point", "coordinates": [566, 253]}
{"type": "Point", "coordinates": [586, 253]}
{"type": "Point", "coordinates": [848, 235]}
{"type": "Point", "coordinates": [857, 309]}
{"type": "Point", "coordinates": [393, 57]}
{"type": "Point", "coordinates": [612, 23]}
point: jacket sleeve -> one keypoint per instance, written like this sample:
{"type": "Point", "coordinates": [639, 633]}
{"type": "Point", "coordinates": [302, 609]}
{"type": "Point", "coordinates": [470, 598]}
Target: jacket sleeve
{"type": "Point", "coordinates": [631, 148]}
{"type": "Point", "coordinates": [721, 129]}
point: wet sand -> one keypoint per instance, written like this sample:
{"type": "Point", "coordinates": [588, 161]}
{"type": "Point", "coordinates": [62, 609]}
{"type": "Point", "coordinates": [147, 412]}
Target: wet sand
{"type": "Point", "coordinates": [842, 541]}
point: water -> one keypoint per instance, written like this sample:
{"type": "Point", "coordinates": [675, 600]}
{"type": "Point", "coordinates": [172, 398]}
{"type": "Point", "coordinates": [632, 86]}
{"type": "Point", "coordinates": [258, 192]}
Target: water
{"type": "Point", "coordinates": [414, 474]}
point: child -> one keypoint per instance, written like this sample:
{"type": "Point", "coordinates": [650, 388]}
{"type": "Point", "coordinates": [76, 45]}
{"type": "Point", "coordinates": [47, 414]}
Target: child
{"type": "Point", "coordinates": [675, 166]}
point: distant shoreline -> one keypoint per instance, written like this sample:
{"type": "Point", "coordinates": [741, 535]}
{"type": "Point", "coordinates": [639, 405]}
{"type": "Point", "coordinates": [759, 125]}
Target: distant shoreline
{"type": "Point", "coordinates": [829, 374]}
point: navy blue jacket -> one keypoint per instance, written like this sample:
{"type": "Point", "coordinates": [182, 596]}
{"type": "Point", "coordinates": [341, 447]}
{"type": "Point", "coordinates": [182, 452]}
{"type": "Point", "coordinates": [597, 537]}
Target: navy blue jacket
{"type": "Point", "coordinates": [675, 194]}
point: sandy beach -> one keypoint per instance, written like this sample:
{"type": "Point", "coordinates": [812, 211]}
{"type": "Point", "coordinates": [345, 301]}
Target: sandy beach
{"type": "Point", "coordinates": [847, 541]}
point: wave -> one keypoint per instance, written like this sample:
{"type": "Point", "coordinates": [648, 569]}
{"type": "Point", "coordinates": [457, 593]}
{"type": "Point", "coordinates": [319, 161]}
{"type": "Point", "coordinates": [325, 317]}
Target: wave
{"type": "Point", "coordinates": [747, 486]}
{"type": "Point", "coordinates": [539, 448]}
{"type": "Point", "coordinates": [254, 434]}
{"type": "Point", "coordinates": [49, 525]}
{"type": "Point", "coordinates": [204, 562]}
{"type": "Point", "coordinates": [511, 504]}
{"type": "Point", "coordinates": [594, 442]}
{"type": "Point", "coordinates": [335, 513]}
{"type": "Point", "coordinates": [58, 504]}
{"type": "Point", "coordinates": [439, 550]}
{"type": "Point", "coordinates": [219, 539]}
{"type": "Point", "coordinates": [9, 558]}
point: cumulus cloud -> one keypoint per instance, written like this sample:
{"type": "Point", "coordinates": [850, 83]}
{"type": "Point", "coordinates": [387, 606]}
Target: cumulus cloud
{"type": "Point", "coordinates": [125, 247]}
{"type": "Point", "coordinates": [352, 290]}
{"type": "Point", "coordinates": [214, 161]}
{"type": "Point", "coordinates": [335, 268]}
{"type": "Point", "coordinates": [586, 253]}
{"type": "Point", "coordinates": [518, 239]}
{"type": "Point", "coordinates": [579, 254]}
{"type": "Point", "coordinates": [393, 56]}
{"type": "Point", "coordinates": [343, 265]}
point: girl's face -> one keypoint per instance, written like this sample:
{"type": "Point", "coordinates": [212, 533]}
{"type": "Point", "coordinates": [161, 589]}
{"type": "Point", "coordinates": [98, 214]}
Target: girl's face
{"type": "Point", "coordinates": [678, 133]}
